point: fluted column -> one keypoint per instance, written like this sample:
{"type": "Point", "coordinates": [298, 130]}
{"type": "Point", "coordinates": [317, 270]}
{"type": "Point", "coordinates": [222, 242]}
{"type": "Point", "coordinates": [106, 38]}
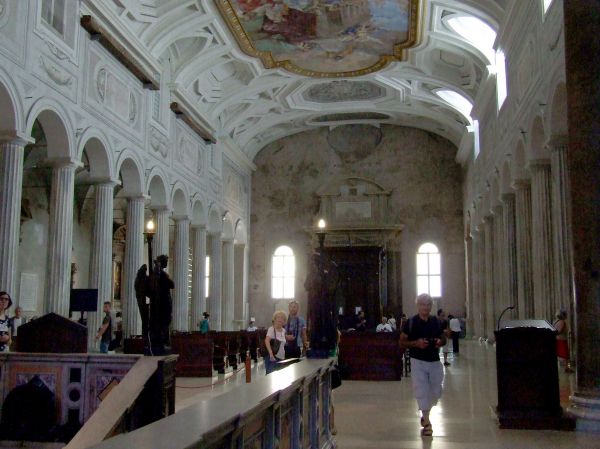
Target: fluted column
{"type": "Point", "coordinates": [524, 262]}
{"type": "Point", "coordinates": [198, 274]}
{"type": "Point", "coordinates": [510, 251]}
{"type": "Point", "coordinates": [134, 247]}
{"type": "Point", "coordinates": [214, 305]}
{"type": "Point", "coordinates": [499, 263]}
{"type": "Point", "coordinates": [490, 291]}
{"type": "Point", "coordinates": [101, 261]}
{"type": "Point", "coordinates": [180, 278]}
{"type": "Point", "coordinates": [582, 56]}
{"type": "Point", "coordinates": [476, 297]}
{"type": "Point", "coordinates": [228, 286]}
{"type": "Point", "coordinates": [160, 243]}
{"type": "Point", "coordinates": [60, 237]}
{"type": "Point", "coordinates": [542, 241]}
{"type": "Point", "coordinates": [11, 187]}
{"type": "Point", "coordinates": [561, 225]}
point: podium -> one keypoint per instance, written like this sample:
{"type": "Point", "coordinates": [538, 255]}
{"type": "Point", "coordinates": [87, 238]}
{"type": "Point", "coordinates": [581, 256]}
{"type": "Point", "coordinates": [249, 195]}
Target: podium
{"type": "Point", "coordinates": [528, 393]}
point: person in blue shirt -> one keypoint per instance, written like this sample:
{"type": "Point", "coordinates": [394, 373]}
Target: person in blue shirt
{"type": "Point", "coordinates": [203, 324]}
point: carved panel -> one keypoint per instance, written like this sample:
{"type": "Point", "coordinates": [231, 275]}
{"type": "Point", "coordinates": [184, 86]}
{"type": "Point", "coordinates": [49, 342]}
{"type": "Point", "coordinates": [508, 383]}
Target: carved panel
{"type": "Point", "coordinates": [54, 69]}
{"type": "Point", "coordinates": [159, 142]}
{"type": "Point", "coordinates": [337, 91]}
{"type": "Point", "coordinates": [14, 34]}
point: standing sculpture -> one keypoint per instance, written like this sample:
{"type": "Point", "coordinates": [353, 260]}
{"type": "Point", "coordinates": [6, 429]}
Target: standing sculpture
{"type": "Point", "coordinates": [158, 310]}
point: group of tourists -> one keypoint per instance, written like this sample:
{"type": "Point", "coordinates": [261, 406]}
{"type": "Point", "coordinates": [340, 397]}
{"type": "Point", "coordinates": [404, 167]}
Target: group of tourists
{"type": "Point", "coordinates": [286, 337]}
{"type": "Point", "coordinates": [9, 325]}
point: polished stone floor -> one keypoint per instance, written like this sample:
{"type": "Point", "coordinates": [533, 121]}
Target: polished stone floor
{"type": "Point", "coordinates": [384, 415]}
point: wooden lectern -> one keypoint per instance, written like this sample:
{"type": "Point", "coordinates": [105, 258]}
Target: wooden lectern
{"type": "Point", "coordinates": [528, 395]}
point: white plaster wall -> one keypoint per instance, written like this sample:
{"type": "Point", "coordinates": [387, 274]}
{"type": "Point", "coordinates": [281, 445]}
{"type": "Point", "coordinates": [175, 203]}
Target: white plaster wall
{"type": "Point", "coordinates": [426, 197]}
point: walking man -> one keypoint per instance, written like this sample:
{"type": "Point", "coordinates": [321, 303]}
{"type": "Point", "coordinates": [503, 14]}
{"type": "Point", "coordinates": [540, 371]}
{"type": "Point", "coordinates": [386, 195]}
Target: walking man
{"type": "Point", "coordinates": [422, 335]}
{"type": "Point", "coordinates": [105, 332]}
{"type": "Point", "coordinates": [295, 338]}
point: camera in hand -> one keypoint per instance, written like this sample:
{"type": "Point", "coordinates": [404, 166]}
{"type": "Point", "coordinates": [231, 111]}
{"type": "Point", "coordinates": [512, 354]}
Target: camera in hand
{"type": "Point", "coordinates": [431, 342]}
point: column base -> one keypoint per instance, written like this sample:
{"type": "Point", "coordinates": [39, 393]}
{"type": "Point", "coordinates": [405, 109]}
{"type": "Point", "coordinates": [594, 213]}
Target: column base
{"type": "Point", "coordinates": [586, 410]}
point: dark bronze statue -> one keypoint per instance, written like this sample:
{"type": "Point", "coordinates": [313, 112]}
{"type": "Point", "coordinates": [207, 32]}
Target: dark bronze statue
{"type": "Point", "coordinates": [156, 316]}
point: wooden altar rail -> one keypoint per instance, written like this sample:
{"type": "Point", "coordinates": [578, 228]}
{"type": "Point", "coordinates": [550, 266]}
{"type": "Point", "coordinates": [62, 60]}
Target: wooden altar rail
{"type": "Point", "coordinates": [370, 356]}
{"type": "Point", "coordinates": [289, 408]}
{"type": "Point", "coordinates": [203, 355]}
{"type": "Point", "coordinates": [145, 395]}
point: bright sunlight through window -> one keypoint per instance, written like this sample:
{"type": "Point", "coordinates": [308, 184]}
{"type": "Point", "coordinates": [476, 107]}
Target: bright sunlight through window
{"type": "Point", "coordinates": [477, 32]}
{"type": "Point", "coordinates": [429, 276]}
{"type": "Point", "coordinates": [283, 274]}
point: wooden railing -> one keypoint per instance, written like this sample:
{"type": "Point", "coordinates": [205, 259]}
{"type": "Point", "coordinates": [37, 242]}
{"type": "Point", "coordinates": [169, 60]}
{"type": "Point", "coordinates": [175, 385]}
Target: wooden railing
{"type": "Point", "coordinates": [290, 406]}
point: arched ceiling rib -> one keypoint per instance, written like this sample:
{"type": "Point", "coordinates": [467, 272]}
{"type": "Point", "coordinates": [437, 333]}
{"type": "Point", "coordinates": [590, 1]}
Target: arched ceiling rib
{"type": "Point", "coordinates": [254, 106]}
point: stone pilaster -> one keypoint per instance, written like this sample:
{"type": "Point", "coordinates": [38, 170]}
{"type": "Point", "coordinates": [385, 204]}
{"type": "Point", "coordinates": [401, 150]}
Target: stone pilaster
{"type": "Point", "coordinates": [499, 264]}
{"type": "Point", "coordinates": [134, 247]}
{"type": "Point", "coordinates": [60, 237]}
{"type": "Point", "coordinates": [489, 277]}
{"type": "Point", "coordinates": [181, 273]}
{"type": "Point", "coordinates": [582, 54]}
{"type": "Point", "coordinates": [101, 260]}
{"type": "Point", "coordinates": [524, 262]}
{"type": "Point", "coordinates": [160, 244]}
{"type": "Point", "coordinates": [11, 187]}
{"type": "Point", "coordinates": [561, 225]}
{"type": "Point", "coordinates": [510, 252]}
{"type": "Point", "coordinates": [228, 286]}
{"type": "Point", "coordinates": [198, 274]}
{"type": "Point", "coordinates": [214, 300]}
{"type": "Point", "coordinates": [476, 297]}
{"type": "Point", "coordinates": [542, 241]}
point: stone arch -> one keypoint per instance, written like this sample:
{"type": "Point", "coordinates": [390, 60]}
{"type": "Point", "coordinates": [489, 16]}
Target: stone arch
{"type": "Point", "coordinates": [537, 142]}
{"type": "Point", "coordinates": [56, 125]}
{"type": "Point", "coordinates": [179, 200]}
{"type": "Point", "coordinates": [198, 213]}
{"type": "Point", "coordinates": [215, 223]}
{"type": "Point", "coordinates": [240, 235]}
{"type": "Point", "coordinates": [11, 109]}
{"type": "Point", "coordinates": [228, 228]}
{"type": "Point", "coordinates": [157, 189]}
{"type": "Point", "coordinates": [558, 125]}
{"type": "Point", "coordinates": [130, 171]}
{"type": "Point", "coordinates": [97, 149]}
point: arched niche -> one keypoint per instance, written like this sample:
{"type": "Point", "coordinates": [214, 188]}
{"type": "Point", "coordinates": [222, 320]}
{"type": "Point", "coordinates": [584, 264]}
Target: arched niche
{"type": "Point", "coordinates": [228, 229]}
{"type": "Point", "coordinates": [130, 174]}
{"type": "Point", "coordinates": [519, 162]}
{"type": "Point", "coordinates": [198, 214]}
{"type": "Point", "coordinates": [9, 109]}
{"type": "Point", "coordinates": [537, 144]}
{"type": "Point", "coordinates": [558, 112]}
{"type": "Point", "coordinates": [215, 223]}
{"type": "Point", "coordinates": [240, 235]}
{"type": "Point", "coordinates": [56, 126]}
{"type": "Point", "coordinates": [179, 202]}
{"type": "Point", "coordinates": [157, 189]}
{"type": "Point", "coordinates": [94, 148]}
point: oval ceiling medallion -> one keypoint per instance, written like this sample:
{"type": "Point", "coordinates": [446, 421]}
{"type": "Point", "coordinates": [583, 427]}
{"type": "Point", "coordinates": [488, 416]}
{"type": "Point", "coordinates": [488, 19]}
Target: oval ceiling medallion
{"type": "Point", "coordinates": [324, 38]}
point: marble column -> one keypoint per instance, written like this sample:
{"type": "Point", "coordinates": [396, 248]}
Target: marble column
{"type": "Point", "coordinates": [469, 284]}
{"type": "Point", "coordinates": [499, 264]}
{"type": "Point", "coordinates": [228, 286]}
{"type": "Point", "coordinates": [524, 262]}
{"type": "Point", "coordinates": [160, 243]}
{"type": "Point", "coordinates": [198, 274]}
{"type": "Point", "coordinates": [476, 298]}
{"type": "Point", "coordinates": [11, 187]}
{"type": "Point", "coordinates": [490, 297]}
{"type": "Point", "coordinates": [510, 252]}
{"type": "Point", "coordinates": [542, 241]}
{"type": "Point", "coordinates": [181, 274]}
{"type": "Point", "coordinates": [134, 248]}
{"type": "Point", "coordinates": [582, 55]}
{"type": "Point", "coordinates": [60, 237]}
{"type": "Point", "coordinates": [561, 225]}
{"type": "Point", "coordinates": [239, 286]}
{"type": "Point", "coordinates": [101, 260]}
{"type": "Point", "coordinates": [214, 305]}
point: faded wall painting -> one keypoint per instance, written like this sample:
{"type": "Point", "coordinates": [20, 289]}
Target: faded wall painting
{"type": "Point", "coordinates": [324, 37]}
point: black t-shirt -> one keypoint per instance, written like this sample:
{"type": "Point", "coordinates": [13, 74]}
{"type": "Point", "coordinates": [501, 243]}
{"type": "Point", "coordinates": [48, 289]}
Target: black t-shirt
{"type": "Point", "coordinates": [416, 328]}
{"type": "Point", "coordinates": [106, 336]}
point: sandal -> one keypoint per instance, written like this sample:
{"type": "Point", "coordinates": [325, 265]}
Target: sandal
{"type": "Point", "coordinates": [427, 430]}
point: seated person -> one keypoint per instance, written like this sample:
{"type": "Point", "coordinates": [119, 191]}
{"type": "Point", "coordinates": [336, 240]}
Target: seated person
{"type": "Point", "coordinates": [361, 322]}
{"type": "Point", "coordinates": [252, 327]}
{"type": "Point", "coordinates": [384, 326]}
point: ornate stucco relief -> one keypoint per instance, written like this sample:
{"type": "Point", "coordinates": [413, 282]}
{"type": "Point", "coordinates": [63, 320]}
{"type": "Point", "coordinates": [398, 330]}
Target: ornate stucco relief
{"type": "Point", "coordinates": [344, 90]}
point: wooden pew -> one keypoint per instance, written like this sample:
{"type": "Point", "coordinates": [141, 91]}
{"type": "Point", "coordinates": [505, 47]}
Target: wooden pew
{"type": "Point", "coordinates": [221, 349]}
{"type": "Point", "coordinates": [195, 354]}
{"type": "Point", "coordinates": [370, 356]}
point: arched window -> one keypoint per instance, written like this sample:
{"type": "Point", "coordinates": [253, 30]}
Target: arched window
{"type": "Point", "coordinates": [429, 276]}
{"type": "Point", "coordinates": [207, 277]}
{"type": "Point", "coordinates": [283, 273]}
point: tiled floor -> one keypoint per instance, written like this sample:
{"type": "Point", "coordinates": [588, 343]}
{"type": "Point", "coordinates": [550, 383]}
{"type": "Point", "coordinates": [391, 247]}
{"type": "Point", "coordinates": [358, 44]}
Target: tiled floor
{"type": "Point", "coordinates": [383, 415]}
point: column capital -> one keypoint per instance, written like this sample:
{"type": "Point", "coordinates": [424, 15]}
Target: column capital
{"type": "Point", "coordinates": [108, 182]}
{"type": "Point", "coordinates": [508, 196]}
{"type": "Point", "coordinates": [157, 209]}
{"type": "Point", "coordinates": [178, 218]}
{"type": "Point", "coordinates": [199, 227]}
{"type": "Point", "coordinates": [558, 143]}
{"type": "Point", "coordinates": [15, 137]}
{"type": "Point", "coordinates": [137, 198]}
{"type": "Point", "coordinates": [541, 163]}
{"type": "Point", "coordinates": [64, 162]}
{"type": "Point", "coordinates": [519, 184]}
{"type": "Point", "coordinates": [227, 240]}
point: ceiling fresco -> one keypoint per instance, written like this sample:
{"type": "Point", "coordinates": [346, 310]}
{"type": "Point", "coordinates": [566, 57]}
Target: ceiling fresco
{"type": "Point", "coordinates": [343, 90]}
{"type": "Point", "coordinates": [324, 38]}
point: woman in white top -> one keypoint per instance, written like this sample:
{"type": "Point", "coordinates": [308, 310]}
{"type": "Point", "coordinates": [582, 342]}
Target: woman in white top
{"type": "Point", "coordinates": [276, 351]}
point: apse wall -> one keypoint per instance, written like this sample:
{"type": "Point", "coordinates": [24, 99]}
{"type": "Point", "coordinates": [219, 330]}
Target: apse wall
{"type": "Point", "coordinates": [416, 166]}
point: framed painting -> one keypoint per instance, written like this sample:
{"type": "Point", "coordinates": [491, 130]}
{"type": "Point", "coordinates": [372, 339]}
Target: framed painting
{"type": "Point", "coordinates": [324, 38]}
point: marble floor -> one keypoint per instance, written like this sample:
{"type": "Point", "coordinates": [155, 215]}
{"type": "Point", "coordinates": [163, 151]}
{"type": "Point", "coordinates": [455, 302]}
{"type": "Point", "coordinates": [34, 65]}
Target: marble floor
{"type": "Point", "coordinates": [383, 415]}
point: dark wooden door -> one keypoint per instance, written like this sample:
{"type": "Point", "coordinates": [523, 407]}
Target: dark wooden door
{"type": "Point", "coordinates": [358, 270]}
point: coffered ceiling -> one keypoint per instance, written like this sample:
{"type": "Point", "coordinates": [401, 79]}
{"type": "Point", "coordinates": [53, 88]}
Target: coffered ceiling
{"type": "Point", "coordinates": [250, 105]}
